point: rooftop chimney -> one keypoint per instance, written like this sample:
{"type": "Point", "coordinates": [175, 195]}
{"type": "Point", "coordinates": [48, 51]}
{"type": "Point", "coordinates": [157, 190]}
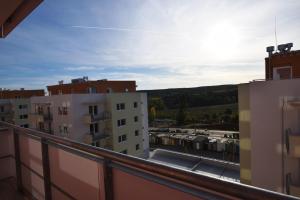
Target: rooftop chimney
{"type": "Point", "coordinates": [270, 50]}
{"type": "Point", "coordinates": [284, 48]}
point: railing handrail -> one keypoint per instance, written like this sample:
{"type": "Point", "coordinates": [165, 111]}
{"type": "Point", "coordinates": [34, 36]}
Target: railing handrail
{"type": "Point", "coordinates": [198, 181]}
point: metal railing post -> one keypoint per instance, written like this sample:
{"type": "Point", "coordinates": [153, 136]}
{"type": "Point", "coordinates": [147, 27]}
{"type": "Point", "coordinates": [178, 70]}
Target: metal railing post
{"type": "Point", "coordinates": [46, 169]}
{"type": "Point", "coordinates": [18, 161]}
{"type": "Point", "coordinates": [108, 180]}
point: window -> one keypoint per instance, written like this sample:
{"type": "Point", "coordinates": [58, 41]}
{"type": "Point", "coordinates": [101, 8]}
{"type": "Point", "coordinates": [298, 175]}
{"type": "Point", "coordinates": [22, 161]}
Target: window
{"type": "Point", "coordinates": [93, 110]}
{"type": "Point", "coordinates": [137, 147]}
{"type": "Point", "coordinates": [25, 125]}
{"type": "Point", "coordinates": [92, 90]}
{"type": "Point", "coordinates": [23, 106]}
{"type": "Point", "coordinates": [96, 144]}
{"type": "Point", "coordinates": [63, 110]}
{"type": "Point", "coordinates": [121, 106]}
{"type": "Point", "coordinates": [135, 104]}
{"type": "Point", "coordinates": [60, 129]}
{"type": "Point", "coordinates": [136, 118]}
{"type": "Point", "coordinates": [59, 111]}
{"type": "Point", "coordinates": [40, 110]}
{"type": "Point", "coordinates": [94, 128]}
{"type": "Point", "coordinates": [65, 130]}
{"type": "Point", "coordinates": [1, 108]}
{"type": "Point", "coordinates": [41, 126]}
{"type": "Point", "coordinates": [121, 122]}
{"type": "Point", "coordinates": [122, 138]}
{"type": "Point", "coordinates": [124, 152]}
{"type": "Point", "coordinates": [3, 119]}
{"type": "Point", "coordinates": [23, 116]}
{"type": "Point", "coordinates": [282, 73]}
{"type": "Point", "coordinates": [136, 132]}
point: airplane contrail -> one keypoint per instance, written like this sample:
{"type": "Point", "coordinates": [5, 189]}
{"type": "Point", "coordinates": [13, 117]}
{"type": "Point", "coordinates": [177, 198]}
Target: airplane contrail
{"type": "Point", "coordinates": [128, 30]}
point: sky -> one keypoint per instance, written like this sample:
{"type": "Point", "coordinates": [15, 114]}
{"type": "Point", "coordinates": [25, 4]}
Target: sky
{"type": "Point", "coordinates": [158, 43]}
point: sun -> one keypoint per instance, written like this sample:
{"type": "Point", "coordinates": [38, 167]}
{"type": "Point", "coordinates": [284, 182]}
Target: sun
{"type": "Point", "coordinates": [223, 40]}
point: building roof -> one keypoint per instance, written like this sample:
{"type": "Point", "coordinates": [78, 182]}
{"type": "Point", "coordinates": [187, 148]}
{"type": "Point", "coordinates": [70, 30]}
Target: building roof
{"type": "Point", "coordinates": [211, 167]}
{"type": "Point", "coordinates": [12, 94]}
{"type": "Point", "coordinates": [83, 85]}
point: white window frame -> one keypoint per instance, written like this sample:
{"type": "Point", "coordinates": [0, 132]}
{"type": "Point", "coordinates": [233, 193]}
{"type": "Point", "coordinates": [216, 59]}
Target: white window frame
{"type": "Point", "coordinates": [276, 75]}
{"type": "Point", "coordinates": [120, 120]}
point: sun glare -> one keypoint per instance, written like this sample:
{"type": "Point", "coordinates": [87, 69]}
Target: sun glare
{"type": "Point", "coordinates": [223, 39]}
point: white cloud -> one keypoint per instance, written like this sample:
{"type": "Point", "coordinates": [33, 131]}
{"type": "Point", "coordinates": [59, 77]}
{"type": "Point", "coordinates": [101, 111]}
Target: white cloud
{"type": "Point", "coordinates": [83, 68]}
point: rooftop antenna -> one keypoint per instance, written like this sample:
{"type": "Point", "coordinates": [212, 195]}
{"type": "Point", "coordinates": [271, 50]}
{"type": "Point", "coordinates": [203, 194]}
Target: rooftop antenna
{"type": "Point", "coordinates": [276, 35]}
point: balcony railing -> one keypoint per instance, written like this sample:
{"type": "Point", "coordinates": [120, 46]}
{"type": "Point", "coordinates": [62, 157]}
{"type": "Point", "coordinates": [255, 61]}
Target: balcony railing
{"type": "Point", "coordinates": [40, 117]}
{"type": "Point", "coordinates": [294, 144]}
{"type": "Point", "coordinates": [295, 189]}
{"type": "Point", "coordinates": [88, 119]}
{"type": "Point", "coordinates": [35, 117]}
{"type": "Point", "coordinates": [93, 137]}
{"type": "Point", "coordinates": [50, 167]}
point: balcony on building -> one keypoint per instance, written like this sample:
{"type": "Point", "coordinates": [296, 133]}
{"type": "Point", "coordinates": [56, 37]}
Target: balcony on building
{"type": "Point", "coordinates": [293, 138]}
{"type": "Point", "coordinates": [294, 144]}
{"type": "Point", "coordinates": [7, 113]}
{"type": "Point", "coordinates": [89, 138]}
{"type": "Point", "coordinates": [102, 116]}
{"type": "Point", "coordinates": [35, 165]}
{"type": "Point", "coordinates": [40, 117]}
{"type": "Point", "coordinates": [293, 186]}
{"type": "Point", "coordinates": [36, 117]}
{"type": "Point", "coordinates": [295, 189]}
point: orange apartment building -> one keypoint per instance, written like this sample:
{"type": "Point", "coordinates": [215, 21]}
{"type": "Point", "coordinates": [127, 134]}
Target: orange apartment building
{"type": "Point", "coordinates": [83, 85]}
{"type": "Point", "coordinates": [284, 64]}
{"type": "Point", "coordinates": [15, 105]}
{"type": "Point", "coordinates": [19, 94]}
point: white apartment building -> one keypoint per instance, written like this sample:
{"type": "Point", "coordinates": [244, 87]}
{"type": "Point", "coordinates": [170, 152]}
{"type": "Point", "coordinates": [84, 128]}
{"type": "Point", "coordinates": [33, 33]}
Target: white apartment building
{"type": "Point", "coordinates": [116, 121]}
{"type": "Point", "coordinates": [15, 111]}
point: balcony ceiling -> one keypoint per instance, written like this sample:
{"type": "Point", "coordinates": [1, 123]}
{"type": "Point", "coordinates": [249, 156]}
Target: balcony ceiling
{"type": "Point", "coordinates": [12, 12]}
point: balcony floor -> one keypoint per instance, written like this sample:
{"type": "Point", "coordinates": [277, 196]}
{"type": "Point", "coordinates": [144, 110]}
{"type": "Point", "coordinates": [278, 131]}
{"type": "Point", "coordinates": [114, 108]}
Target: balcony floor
{"type": "Point", "coordinates": [8, 190]}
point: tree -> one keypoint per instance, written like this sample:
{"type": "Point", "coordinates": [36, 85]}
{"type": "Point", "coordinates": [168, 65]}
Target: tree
{"type": "Point", "coordinates": [152, 114]}
{"type": "Point", "coordinates": [228, 111]}
{"type": "Point", "coordinates": [157, 102]}
{"type": "Point", "coordinates": [181, 114]}
{"type": "Point", "coordinates": [214, 117]}
{"type": "Point", "coordinates": [207, 117]}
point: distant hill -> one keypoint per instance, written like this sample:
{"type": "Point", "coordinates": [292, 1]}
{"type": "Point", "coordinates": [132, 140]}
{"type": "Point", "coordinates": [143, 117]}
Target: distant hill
{"type": "Point", "coordinates": [195, 97]}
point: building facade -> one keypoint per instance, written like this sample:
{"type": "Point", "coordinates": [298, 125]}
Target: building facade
{"type": "Point", "coordinates": [15, 106]}
{"type": "Point", "coordinates": [85, 86]}
{"type": "Point", "coordinates": [269, 124]}
{"type": "Point", "coordinates": [116, 121]}
{"type": "Point", "coordinates": [284, 64]}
